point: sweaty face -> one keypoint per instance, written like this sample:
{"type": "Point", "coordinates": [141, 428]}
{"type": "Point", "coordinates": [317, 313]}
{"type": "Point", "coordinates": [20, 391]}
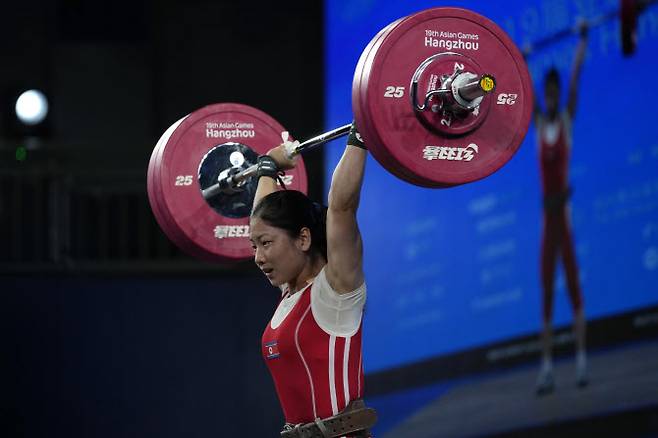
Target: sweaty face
{"type": "Point", "coordinates": [279, 256]}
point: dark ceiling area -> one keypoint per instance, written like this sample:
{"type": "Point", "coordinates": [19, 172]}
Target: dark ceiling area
{"type": "Point", "coordinates": [116, 75]}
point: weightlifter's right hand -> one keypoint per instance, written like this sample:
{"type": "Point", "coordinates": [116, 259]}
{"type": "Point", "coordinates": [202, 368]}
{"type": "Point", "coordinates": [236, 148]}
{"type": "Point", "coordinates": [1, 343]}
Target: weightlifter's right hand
{"type": "Point", "coordinates": [282, 153]}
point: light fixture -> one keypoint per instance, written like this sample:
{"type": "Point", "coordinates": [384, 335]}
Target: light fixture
{"type": "Point", "coordinates": [32, 107]}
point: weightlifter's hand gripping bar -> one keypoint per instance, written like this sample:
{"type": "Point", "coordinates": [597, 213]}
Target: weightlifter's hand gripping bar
{"type": "Point", "coordinates": [232, 181]}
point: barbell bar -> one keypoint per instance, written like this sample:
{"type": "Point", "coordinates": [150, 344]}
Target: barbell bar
{"type": "Point", "coordinates": [441, 97]}
{"type": "Point", "coordinates": [627, 12]}
{"type": "Point", "coordinates": [464, 94]}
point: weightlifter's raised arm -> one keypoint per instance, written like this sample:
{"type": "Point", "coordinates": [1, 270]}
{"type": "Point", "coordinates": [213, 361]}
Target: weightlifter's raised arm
{"type": "Point", "coordinates": [344, 246]}
{"type": "Point", "coordinates": [572, 99]}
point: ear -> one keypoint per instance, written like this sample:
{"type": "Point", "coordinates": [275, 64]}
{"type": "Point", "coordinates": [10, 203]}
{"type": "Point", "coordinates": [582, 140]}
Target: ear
{"type": "Point", "coordinates": [303, 241]}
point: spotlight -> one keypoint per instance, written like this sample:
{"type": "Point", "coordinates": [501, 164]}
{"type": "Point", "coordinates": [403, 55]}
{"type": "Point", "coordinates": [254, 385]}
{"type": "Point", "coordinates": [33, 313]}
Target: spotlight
{"type": "Point", "coordinates": [32, 107]}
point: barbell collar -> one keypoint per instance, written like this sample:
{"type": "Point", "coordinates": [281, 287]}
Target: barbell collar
{"type": "Point", "coordinates": [477, 87]}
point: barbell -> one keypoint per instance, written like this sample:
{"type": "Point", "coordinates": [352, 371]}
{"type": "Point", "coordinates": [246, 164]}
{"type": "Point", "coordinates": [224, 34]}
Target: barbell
{"type": "Point", "coordinates": [627, 13]}
{"type": "Point", "coordinates": [441, 97]}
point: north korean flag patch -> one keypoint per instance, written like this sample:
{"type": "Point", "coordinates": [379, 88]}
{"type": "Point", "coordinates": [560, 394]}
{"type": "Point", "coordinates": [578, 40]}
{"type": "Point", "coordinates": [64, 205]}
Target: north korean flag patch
{"type": "Point", "coordinates": [271, 350]}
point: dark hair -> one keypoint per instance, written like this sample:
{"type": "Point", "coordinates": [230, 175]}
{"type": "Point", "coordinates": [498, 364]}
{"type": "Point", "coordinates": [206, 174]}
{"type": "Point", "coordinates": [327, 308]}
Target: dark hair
{"type": "Point", "coordinates": [291, 211]}
{"type": "Point", "coordinates": [552, 75]}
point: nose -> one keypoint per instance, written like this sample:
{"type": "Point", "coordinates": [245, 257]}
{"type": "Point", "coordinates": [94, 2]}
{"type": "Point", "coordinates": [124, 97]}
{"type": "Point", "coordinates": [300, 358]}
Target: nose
{"type": "Point", "coordinates": [259, 256]}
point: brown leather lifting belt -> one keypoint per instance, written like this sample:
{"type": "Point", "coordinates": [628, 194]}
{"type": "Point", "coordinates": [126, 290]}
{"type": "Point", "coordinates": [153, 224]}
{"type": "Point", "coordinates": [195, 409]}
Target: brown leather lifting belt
{"type": "Point", "coordinates": [354, 420]}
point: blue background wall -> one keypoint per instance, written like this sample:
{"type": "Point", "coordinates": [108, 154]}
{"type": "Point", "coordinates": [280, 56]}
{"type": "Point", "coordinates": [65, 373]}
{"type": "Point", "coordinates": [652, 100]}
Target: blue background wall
{"type": "Point", "coordinates": [453, 269]}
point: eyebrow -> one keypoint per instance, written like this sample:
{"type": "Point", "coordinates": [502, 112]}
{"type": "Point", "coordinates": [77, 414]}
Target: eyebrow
{"type": "Point", "coordinates": [260, 237]}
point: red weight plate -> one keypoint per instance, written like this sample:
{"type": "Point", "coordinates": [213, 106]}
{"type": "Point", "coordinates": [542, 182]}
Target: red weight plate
{"type": "Point", "coordinates": [155, 193]}
{"type": "Point", "coordinates": [191, 222]}
{"type": "Point", "coordinates": [166, 221]}
{"type": "Point", "coordinates": [434, 158]}
{"type": "Point", "coordinates": [628, 11]}
{"type": "Point", "coordinates": [361, 117]}
{"type": "Point", "coordinates": [359, 99]}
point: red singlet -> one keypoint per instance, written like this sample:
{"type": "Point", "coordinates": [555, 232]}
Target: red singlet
{"type": "Point", "coordinates": [316, 373]}
{"type": "Point", "coordinates": [554, 153]}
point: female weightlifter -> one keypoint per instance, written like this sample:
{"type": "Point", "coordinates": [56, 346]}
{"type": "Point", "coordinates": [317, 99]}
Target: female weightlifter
{"type": "Point", "coordinates": [554, 135]}
{"type": "Point", "coordinates": [313, 254]}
